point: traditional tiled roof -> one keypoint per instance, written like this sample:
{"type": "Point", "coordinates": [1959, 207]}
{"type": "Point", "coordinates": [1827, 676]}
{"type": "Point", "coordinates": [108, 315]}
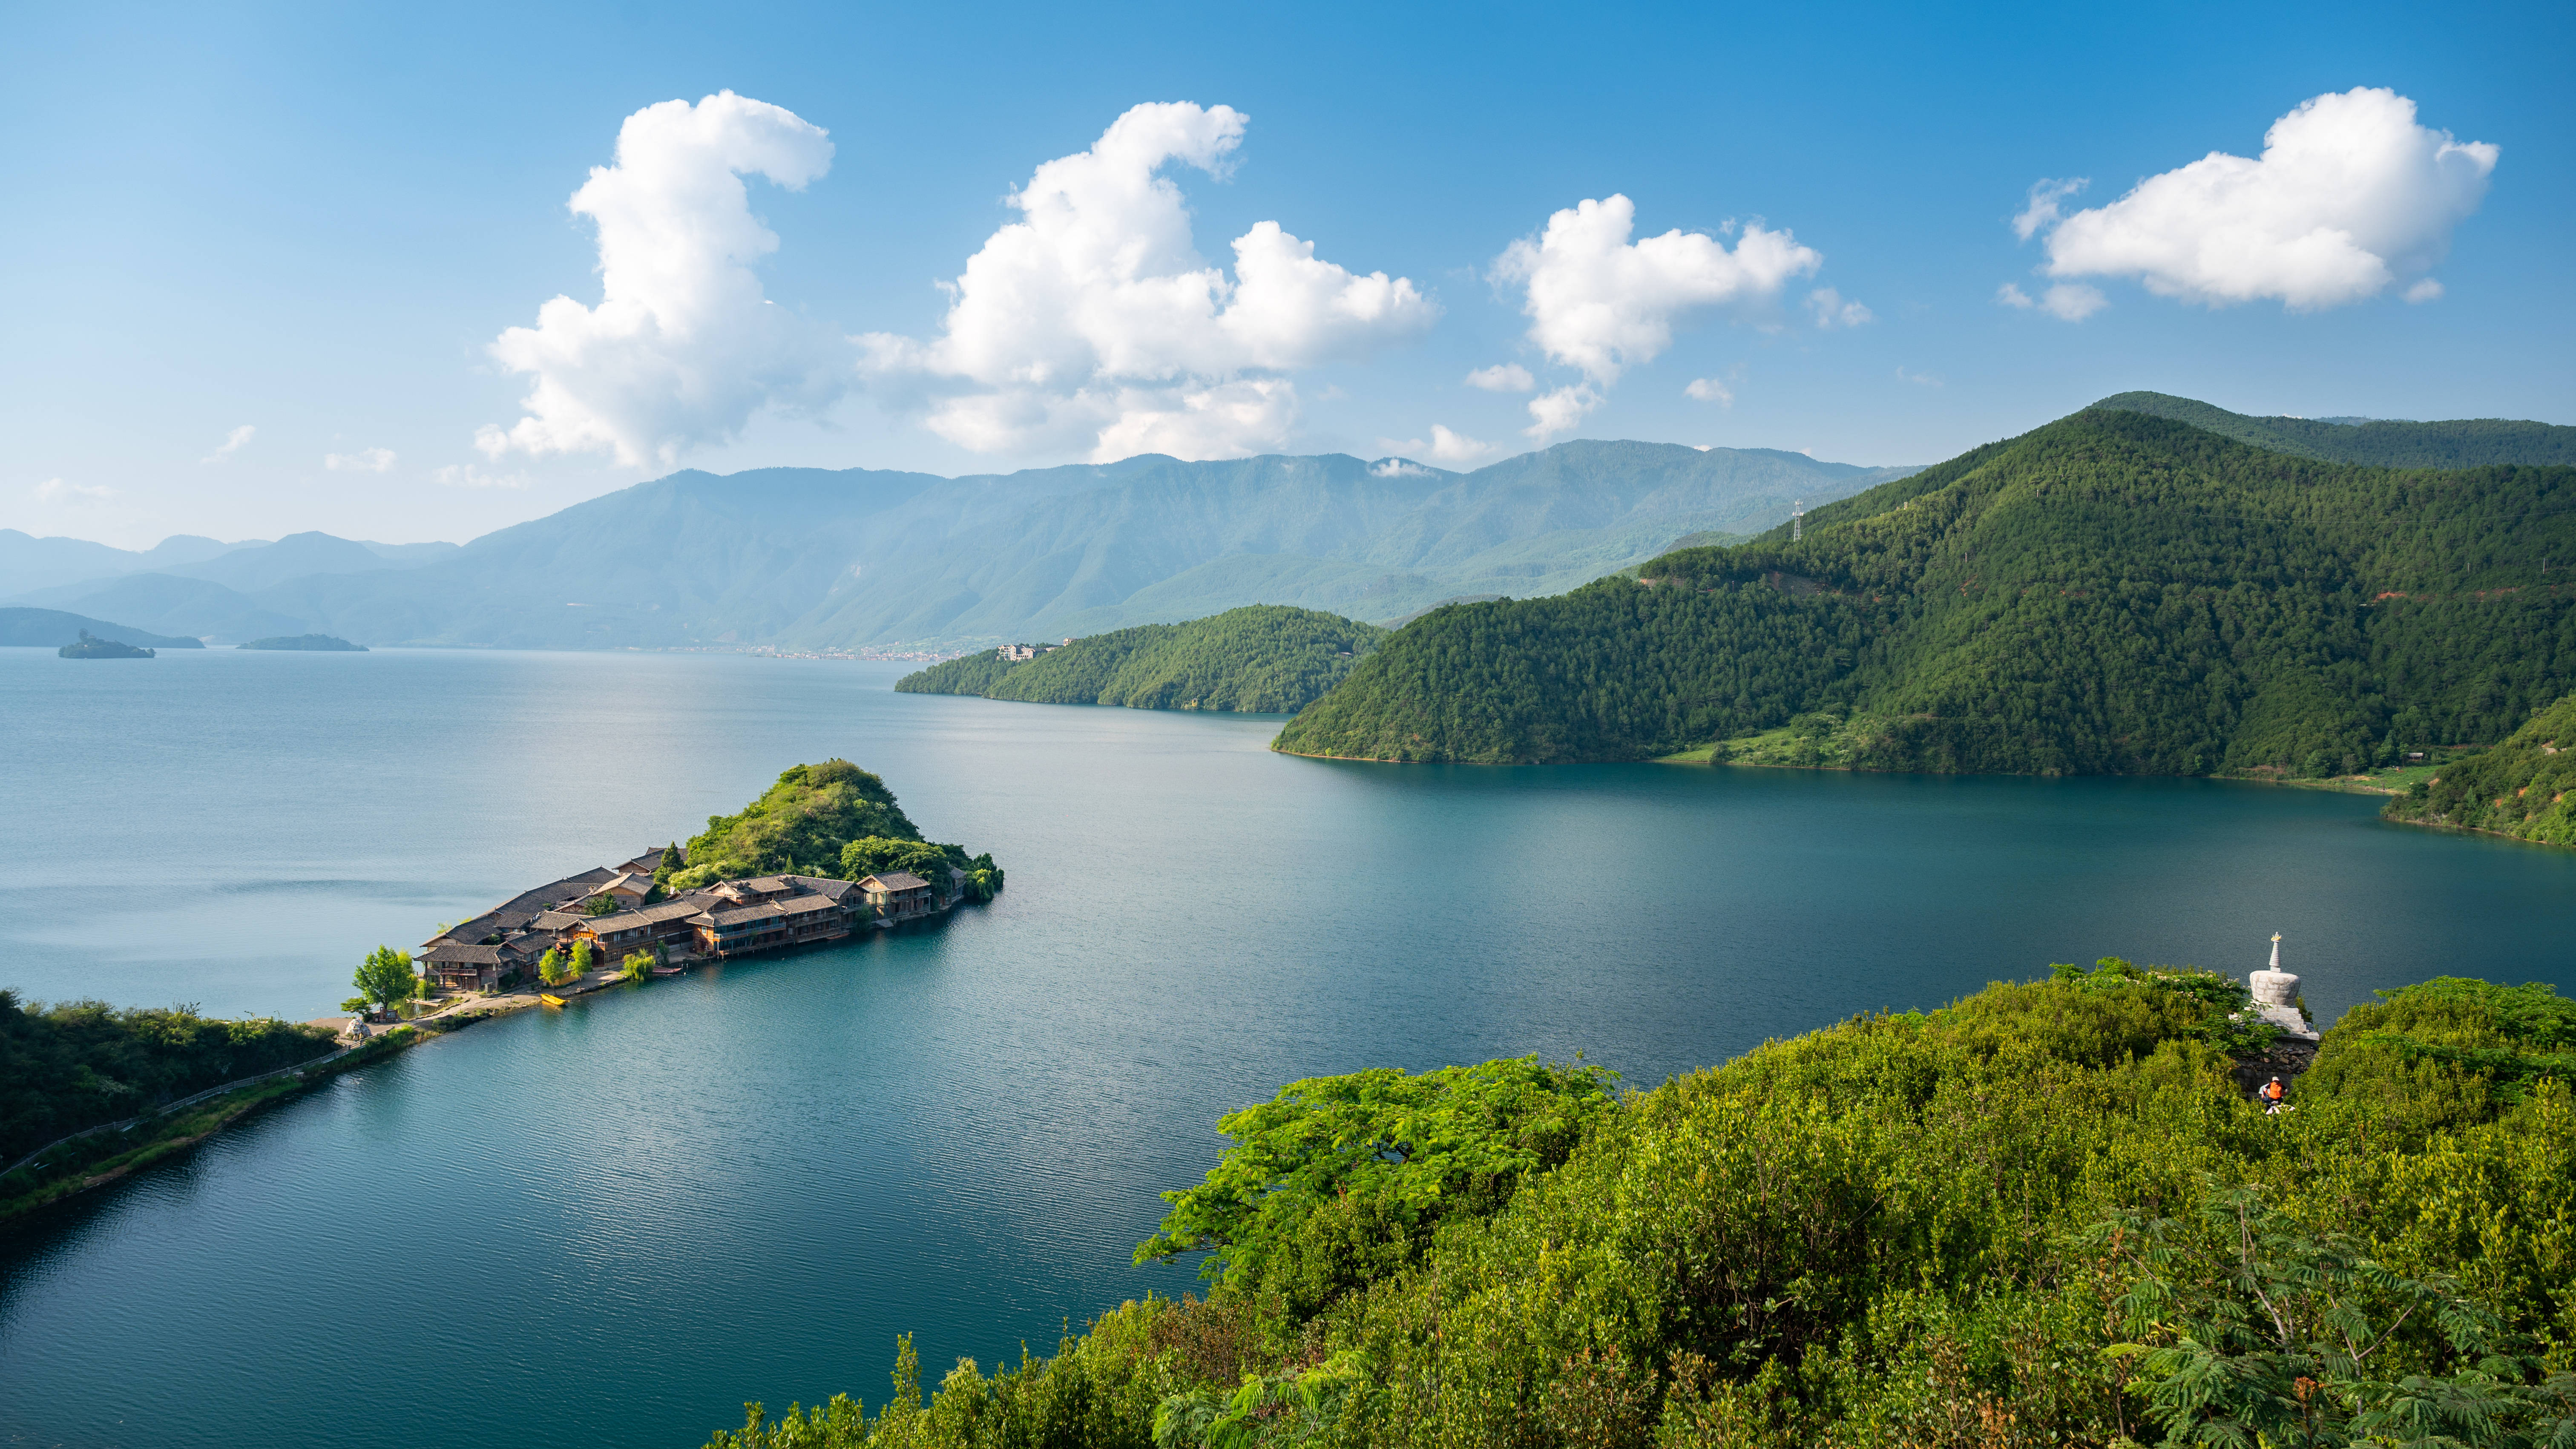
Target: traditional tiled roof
{"type": "Point", "coordinates": [555, 921]}
{"type": "Point", "coordinates": [456, 953]}
{"type": "Point", "coordinates": [900, 880]}
{"type": "Point", "coordinates": [615, 922]}
{"type": "Point", "coordinates": [767, 885]}
{"type": "Point", "coordinates": [628, 881]}
{"type": "Point", "coordinates": [804, 905]}
{"type": "Point", "coordinates": [650, 861]}
{"type": "Point", "coordinates": [670, 910]}
{"type": "Point", "coordinates": [737, 917]}
{"type": "Point", "coordinates": [824, 885]}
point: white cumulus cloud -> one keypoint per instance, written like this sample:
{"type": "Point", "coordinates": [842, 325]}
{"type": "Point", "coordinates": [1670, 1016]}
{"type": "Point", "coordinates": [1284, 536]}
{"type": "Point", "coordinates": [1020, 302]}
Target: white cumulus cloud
{"type": "Point", "coordinates": [370, 460]}
{"type": "Point", "coordinates": [2042, 209]}
{"type": "Point", "coordinates": [1559, 409]}
{"type": "Point", "coordinates": [1398, 468]}
{"type": "Point", "coordinates": [683, 347]}
{"type": "Point", "coordinates": [1603, 304]}
{"type": "Point", "coordinates": [1092, 320]}
{"type": "Point", "coordinates": [2349, 198]}
{"type": "Point", "coordinates": [2067, 301]}
{"type": "Point", "coordinates": [231, 444]}
{"type": "Point", "coordinates": [1832, 311]}
{"type": "Point", "coordinates": [1711, 390]}
{"type": "Point", "coordinates": [1503, 377]}
{"type": "Point", "coordinates": [1446, 446]}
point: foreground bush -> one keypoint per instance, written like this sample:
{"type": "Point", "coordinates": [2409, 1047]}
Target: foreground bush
{"type": "Point", "coordinates": [2044, 1215]}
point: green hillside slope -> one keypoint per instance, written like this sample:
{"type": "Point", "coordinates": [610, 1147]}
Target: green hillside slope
{"type": "Point", "coordinates": [2519, 788]}
{"type": "Point", "coordinates": [2045, 1215]}
{"type": "Point", "coordinates": [2377, 443]}
{"type": "Point", "coordinates": [1263, 658]}
{"type": "Point", "coordinates": [2112, 593]}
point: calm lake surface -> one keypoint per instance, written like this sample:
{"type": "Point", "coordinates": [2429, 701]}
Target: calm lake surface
{"type": "Point", "coordinates": [613, 1224]}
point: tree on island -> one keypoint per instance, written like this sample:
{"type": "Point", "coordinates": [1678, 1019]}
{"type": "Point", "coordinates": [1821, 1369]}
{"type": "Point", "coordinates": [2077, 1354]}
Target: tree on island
{"type": "Point", "coordinates": [386, 978]}
{"type": "Point", "coordinates": [884, 855]}
{"type": "Point", "coordinates": [637, 965]}
{"type": "Point", "coordinates": [552, 969]}
{"type": "Point", "coordinates": [582, 958]}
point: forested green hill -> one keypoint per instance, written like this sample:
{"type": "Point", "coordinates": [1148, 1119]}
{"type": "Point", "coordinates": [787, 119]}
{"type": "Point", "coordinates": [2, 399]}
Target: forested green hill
{"type": "Point", "coordinates": [2377, 442]}
{"type": "Point", "coordinates": [1263, 658]}
{"type": "Point", "coordinates": [2111, 593]}
{"type": "Point", "coordinates": [2045, 1215]}
{"type": "Point", "coordinates": [2519, 788]}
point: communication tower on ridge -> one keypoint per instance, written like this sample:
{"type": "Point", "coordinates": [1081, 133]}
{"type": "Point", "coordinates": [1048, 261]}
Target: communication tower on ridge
{"type": "Point", "coordinates": [1797, 520]}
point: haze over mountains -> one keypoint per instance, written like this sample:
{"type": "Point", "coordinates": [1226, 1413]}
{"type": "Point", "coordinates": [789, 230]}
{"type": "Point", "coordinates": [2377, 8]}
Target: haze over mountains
{"type": "Point", "coordinates": [804, 558]}
{"type": "Point", "coordinates": [810, 558]}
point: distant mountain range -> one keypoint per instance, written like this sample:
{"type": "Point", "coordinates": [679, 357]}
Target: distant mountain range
{"type": "Point", "coordinates": [813, 559]}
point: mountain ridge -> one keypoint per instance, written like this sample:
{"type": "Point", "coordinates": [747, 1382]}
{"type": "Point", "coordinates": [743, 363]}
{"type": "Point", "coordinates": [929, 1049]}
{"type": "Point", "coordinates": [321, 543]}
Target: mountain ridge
{"type": "Point", "coordinates": [2113, 592]}
{"type": "Point", "coordinates": [823, 559]}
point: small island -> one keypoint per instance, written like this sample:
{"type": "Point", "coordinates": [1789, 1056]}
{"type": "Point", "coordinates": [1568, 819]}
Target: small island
{"type": "Point", "coordinates": [90, 646]}
{"type": "Point", "coordinates": [316, 643]}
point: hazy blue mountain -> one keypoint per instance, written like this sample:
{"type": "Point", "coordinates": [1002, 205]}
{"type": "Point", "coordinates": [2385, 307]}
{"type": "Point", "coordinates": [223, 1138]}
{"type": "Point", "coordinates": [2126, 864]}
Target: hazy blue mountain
{"type": "Point", "coordinates": [808, 558]}
{"type": "Point", "coordinates": [169, 604]}
{"type": "Point", "coordinates": [52, 629]}
{"type": "Point", "coordinates": [812, 558]}
{"type": "Point", "coordinates": [28, 563]}
{"type": "Point", "coordinates": [410, 555]}
{"type": "Point", "coordinates": [249, 570]}
{"type": "Point", "coordinates": [2373, 442]}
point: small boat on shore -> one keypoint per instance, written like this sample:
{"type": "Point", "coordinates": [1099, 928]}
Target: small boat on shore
{"type": "Point", "coordinates": [549, 998]}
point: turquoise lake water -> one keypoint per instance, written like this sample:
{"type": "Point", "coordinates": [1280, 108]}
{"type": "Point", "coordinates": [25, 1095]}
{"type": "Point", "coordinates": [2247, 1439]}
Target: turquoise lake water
{"type": "Point", "coordinates": [612, 1224]}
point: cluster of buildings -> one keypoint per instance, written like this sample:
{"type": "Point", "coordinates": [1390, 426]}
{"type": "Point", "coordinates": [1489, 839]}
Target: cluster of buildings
{"type": "Point", "coordinates": [1017, 652]}
{"type": "Point", "coordinates": [612, 908]}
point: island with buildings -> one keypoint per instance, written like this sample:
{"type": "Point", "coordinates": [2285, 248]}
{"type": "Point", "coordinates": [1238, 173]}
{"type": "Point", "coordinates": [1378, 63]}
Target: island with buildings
{"type": "Point", "coordinates": [619, 910]}
{"type": "Point", "coordinates": [90, 646]}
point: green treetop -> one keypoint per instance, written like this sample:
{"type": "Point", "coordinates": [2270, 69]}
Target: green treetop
{"type": "Point", "coordinates": [385, 977]}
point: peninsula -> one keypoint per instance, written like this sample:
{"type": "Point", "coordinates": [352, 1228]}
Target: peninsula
{"type": "Point", "coordinates": [823, 854]}
{"type": "Point", "coordinates": [1259, 659]}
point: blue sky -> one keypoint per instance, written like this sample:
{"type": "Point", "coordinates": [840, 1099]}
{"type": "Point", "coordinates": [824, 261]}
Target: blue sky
{"type": "Point", "coordinates": [317, 222]}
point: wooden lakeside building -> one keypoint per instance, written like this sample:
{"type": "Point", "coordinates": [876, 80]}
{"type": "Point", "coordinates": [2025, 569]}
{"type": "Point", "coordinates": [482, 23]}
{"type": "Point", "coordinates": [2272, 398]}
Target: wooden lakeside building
{"type": "Point", "coordinates": [611, 907]}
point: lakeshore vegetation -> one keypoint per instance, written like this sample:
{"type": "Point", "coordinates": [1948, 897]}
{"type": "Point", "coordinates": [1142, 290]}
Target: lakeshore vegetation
{"type": "Point", "coordinates": [2519, 788]}
{"type": "Point", "coordinates": [2111, 593]}
{"type": "Point", "coordinates": [76, 1064]}
{"type": "Point", "coordinates": [1263, 658]}
{"type": "Point", "coordinates": [2047, 1214]}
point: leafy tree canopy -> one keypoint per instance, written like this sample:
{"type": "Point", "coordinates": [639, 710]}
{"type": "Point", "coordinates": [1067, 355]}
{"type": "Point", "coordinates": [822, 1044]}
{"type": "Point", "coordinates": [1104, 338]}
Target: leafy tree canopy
{"type": "Point", "coordinates": [76, 1064]}
{"type": "Point", "coordinates": [1340, 1180]}
{"type": "Point", "coordinates": [2043, 1215]}
{"type": "Point", "coordinates": [385, 977]}
{"type": "Point", "coordinates": [798, 826]}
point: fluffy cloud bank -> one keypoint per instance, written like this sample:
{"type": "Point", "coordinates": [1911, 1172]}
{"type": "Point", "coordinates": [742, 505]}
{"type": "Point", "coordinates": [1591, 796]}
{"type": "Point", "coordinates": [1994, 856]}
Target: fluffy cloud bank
{"type": "Point", "coordinates": [682, 348]}
{"type": "Point", "coordinates": [1600, 303]}
{"type": "Point", "coordinates": [2349, 198]}
{"type": "Point", "coordinates": [1093, 320]}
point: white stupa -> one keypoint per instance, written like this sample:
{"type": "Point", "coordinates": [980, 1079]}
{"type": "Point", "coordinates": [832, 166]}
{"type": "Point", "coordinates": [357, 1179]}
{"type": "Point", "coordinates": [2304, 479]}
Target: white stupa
{"type": "Point", "coordinates": [2275, 996]}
